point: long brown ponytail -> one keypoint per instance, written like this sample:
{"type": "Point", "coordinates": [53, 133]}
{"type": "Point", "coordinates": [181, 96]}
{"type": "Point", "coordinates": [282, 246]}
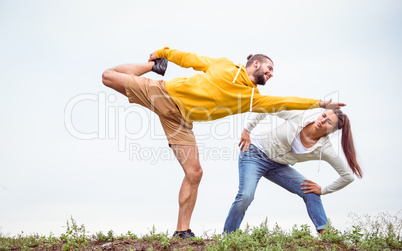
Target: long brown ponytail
{"type": "Point", "coordinates": [347, 142]}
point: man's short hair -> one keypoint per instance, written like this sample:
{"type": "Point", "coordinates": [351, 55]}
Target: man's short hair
{"type": "Point", "coordinates": [259, 57]}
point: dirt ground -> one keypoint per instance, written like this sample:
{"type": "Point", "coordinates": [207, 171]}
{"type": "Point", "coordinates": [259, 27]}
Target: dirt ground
{"type": "Point", "coordinates": [139, 245]}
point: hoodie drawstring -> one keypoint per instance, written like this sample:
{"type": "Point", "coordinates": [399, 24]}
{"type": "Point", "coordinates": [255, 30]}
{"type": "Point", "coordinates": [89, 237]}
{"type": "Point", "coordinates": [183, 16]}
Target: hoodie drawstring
{"type": "Point", "coordinates": [252, 92]}
{"type": "Point", "coordinates": [234, 80]}
{"type": "Point", "coordinates": [251, 100]}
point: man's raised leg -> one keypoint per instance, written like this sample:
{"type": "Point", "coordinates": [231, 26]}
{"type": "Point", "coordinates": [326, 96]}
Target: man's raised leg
{"type": "Point", "coordinates": [114, 77]}
{"type": "Point", "coordinates": [188, 157]}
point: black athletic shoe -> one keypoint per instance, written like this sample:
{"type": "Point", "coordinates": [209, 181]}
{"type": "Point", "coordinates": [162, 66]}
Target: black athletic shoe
{"type": "Point", "coordinates": [184, 234]}
{"type": "Point", "coordinates": [160, 66]}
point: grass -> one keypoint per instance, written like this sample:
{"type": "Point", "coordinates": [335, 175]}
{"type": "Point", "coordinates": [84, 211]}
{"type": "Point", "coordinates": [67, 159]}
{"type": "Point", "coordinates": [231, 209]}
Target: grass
{"type": "Point", "coordinates": [380, 232]}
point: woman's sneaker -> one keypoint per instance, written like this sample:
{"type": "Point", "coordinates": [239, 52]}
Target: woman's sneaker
{"type": "Point", "coordinates": [160, 66]}
{"type": "Point", "coordinates": [184, 234]}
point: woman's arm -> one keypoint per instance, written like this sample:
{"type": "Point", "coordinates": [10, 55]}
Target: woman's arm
{"type": "Point", "coordinates": [254, 119]}
{"type": "Point", "coordinates": [345, 177]}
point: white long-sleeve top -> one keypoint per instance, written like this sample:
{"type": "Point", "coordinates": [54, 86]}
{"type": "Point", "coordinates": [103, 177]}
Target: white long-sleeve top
{"type": "Point", "coordinates": [277, 144]}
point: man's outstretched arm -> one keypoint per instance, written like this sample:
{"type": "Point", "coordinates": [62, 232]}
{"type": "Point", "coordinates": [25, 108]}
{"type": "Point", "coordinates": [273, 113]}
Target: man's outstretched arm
{"type": "Point", "coordinates": [272, 104]}
{"type": "Point", "coordinates": [184, 59]}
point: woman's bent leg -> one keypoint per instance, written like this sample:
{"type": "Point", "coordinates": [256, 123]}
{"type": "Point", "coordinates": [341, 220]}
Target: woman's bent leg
{"type": "Point", "coordinates": [291, 180]}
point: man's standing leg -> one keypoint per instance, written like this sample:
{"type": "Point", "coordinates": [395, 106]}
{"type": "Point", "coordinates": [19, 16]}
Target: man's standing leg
{"type": "Point", "coordinates": [188, 157]}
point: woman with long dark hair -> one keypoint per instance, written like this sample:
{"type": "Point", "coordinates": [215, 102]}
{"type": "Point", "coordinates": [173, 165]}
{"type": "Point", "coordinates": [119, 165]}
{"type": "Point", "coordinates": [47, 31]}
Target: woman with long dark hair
{"type": "Point", "coordinates": [300, 138]}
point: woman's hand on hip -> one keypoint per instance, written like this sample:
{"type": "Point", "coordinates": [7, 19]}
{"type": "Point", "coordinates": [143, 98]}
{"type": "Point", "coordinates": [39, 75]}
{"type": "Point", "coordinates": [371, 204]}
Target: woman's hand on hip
{"type": "Point", "coordinates": [245, 140]}
{"type": "Point", "coordinates": [311, 187]}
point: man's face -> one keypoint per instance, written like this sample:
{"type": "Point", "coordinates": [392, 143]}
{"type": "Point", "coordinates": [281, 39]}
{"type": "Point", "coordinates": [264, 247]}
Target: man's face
{"type": "Point", "coordinates": [263, 73]}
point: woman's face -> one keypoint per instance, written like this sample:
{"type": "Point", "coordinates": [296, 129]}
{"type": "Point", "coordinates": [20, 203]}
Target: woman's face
{"type": "Point", "coordinates": [326, 122]}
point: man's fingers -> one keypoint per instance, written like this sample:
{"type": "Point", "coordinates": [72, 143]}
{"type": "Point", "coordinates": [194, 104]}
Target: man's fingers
{"type": "Point", "coordinates": [335, 105]}
{"type": "Point", "coordinates": [331, 105]}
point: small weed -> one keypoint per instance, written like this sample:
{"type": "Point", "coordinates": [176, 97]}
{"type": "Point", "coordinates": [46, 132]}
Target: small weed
{"type": "Point", "coordinates": [75, 236]}
{"type": "Point", "coordinates": [165, 242]}
{"type": "Point", "coordinates": [131, 236]}
{"type": "Point", "coordinates": [354, 237]}
{"type": "Point", "coordinates": [51, 241]}
{"type": "Point", "coordinates": [153, 236]}
{"type": "Point", "coordinates": [332, 235]}
{"type": "Point", "coordinates": [303, 233]}
{"type": "Point", "coordinates": [102, 237]}
{"type": "Point", "coordinates": [128, 236]}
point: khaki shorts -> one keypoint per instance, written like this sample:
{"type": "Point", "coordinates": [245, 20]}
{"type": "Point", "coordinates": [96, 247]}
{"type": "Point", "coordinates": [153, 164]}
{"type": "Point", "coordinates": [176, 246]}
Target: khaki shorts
{"type": "Point", "coordinates": [153, 95]}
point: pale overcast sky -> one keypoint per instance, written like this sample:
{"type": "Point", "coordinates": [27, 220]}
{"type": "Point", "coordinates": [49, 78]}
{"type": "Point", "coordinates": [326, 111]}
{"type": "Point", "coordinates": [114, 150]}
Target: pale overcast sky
{"type": "Point", "coordinates": [72, 147]}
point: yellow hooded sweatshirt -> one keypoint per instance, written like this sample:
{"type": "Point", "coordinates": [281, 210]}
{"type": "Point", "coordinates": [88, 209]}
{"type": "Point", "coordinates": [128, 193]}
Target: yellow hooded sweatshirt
{"type": "Point", "coordinates": [223, 89]}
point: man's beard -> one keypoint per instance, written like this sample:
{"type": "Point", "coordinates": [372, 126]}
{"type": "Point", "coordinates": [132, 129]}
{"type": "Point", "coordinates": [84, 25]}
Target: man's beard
{"type": "Point", "coordinates": [259, 77]}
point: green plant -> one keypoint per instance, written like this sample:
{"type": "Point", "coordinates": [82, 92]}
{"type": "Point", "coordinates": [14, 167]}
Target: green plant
{"type": "Point", "coordinates": [165, 241]}
{"type": "Point", "coordinates": [51, 241]}
{"type": "Point", "coordinates": [75, 236]}
{"type": "Point", "coordinates": [21, 241]}
{"type": "Point", "coordinates": [153, 236]}
{"type": "Point", "coordinates": [332, 234]}
{"type": "Point", "coordinates": [380, 231]}
{"type": "Point", "coordinates": [131, 236]}
{"type": "Point", "coordinates": [355, 236]}
{"type": "Point", "coordinates": [102, 237]}
{"type": "Point", "coordinates": [303, 233]}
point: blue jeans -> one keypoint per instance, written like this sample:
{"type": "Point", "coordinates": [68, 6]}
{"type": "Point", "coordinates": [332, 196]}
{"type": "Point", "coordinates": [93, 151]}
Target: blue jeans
{"type": "Point", "coordinates": [254, 164]}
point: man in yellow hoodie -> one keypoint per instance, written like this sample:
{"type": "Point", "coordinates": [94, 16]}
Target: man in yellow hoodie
{"type": "Point", "coordinates": [223, 88]}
